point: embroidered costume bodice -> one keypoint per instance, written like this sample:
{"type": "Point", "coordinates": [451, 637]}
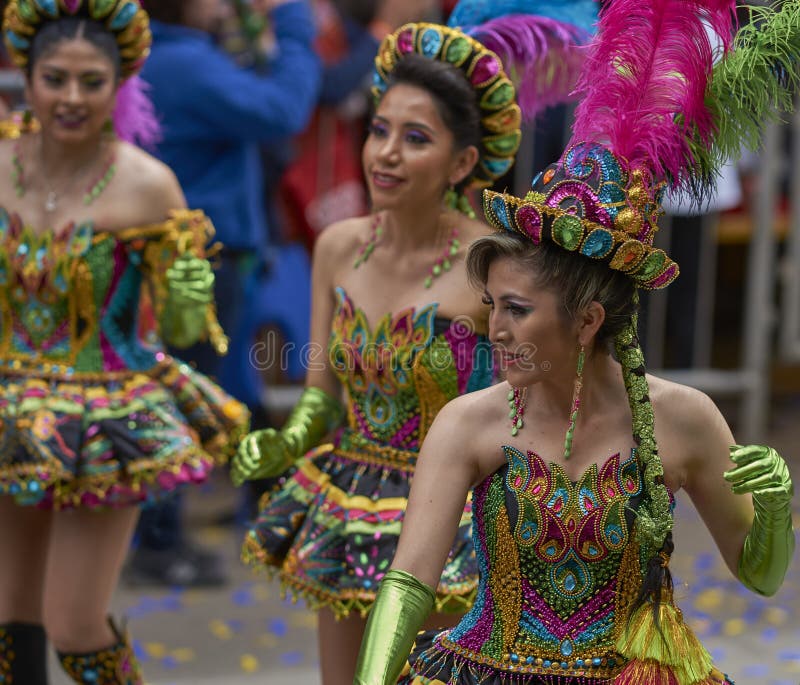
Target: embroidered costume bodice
{"type": "Point", "coordinates": [398, 375]}
{"type": "Point", "coordinates": [557, 567]}
{"type": "Point", "coordinates": [74, 301]}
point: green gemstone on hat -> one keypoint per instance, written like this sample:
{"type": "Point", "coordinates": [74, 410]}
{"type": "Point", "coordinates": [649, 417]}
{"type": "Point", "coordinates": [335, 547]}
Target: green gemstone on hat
{"type": "Point", "coordinates": [512, 413]}
{"type": "Point", "coordinates": [568, 231]}
{"type": "Point", "coordinates": [499, 95]}
{"type": "Point", "coordinates": [510, 396]}
{"type": "Point", "coordinates": [652, 264]}
{"type": "Point", "coordinates": [458, 51]}
{"type": "Point", "coordinates": [26, 11]}
{"type": "Point", "coordinates": [503, 145]}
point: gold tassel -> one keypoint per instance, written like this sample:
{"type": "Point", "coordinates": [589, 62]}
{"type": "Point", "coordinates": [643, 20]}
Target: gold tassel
{"type": "Point", "coordinates": [674, 646]}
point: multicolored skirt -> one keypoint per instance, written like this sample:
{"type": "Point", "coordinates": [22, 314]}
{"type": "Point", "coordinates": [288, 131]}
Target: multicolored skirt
{"type": "Point", "coordinates": [330, 532]}
{"type": "Point", "coordinates": [113, 439]}
{"type": "Point", "coordinates": [434, 660]}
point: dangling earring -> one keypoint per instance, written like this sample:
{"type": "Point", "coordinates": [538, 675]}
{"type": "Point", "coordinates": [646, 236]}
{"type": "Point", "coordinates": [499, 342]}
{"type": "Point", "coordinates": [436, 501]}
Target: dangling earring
{"type": "Point", "coordinates": [451, 197]}
{"type": "Point", "coordinates": [576, 403]}
{"type": "Point", "coordinates": [458, 202]}
{"type": "Point", "coordinates": [516, 408]}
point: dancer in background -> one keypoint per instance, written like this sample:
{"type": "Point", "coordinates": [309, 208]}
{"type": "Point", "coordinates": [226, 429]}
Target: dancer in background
{"type": "Point", "coordinates": [403, 331]}
{"type": "Point", "coordinates": [574, 460]}
{"type": "Point", "coordinates": [99, 262]}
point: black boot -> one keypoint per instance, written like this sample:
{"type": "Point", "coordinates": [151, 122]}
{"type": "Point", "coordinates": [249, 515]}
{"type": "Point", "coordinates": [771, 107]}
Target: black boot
{"type": "Point", "coordinates": [114, 665]}
{"type": "Point", "coordinates": [23, 654]}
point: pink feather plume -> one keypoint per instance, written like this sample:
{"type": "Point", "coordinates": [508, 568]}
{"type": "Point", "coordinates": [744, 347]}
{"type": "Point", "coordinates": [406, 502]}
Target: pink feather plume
{"type": "Point", "coordinates": [644, 81]}
{"type": "Point", "coordinates": [135, 119]}
{"type": "Point", "coordinates": [545, 54]}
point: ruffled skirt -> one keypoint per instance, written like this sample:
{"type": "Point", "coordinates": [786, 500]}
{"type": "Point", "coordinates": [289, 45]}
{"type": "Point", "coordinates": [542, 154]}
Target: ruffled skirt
{"type": "Point", "coordinates": [331, 530]}
{"type": "Point", "coordinates": [436, 661]}
{"type": "Point", "coordinates": [112, 439]}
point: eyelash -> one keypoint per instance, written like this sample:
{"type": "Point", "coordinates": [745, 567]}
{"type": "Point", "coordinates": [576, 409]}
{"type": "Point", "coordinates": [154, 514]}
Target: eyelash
{"type": "Point", "coordinates": [514, 309]}
{"type": "Point", "coordinates": [413, 137]}
{"type": "Point", "coordinates": [58, 81]}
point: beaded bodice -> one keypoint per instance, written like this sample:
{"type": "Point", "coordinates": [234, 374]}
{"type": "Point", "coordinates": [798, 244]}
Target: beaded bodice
{"type": "Point", "coordinates": [398, 375]}
{"type": "Point", "coordinates": [72, 301]}
{"type": "Point", "coordinates": [558, 567]}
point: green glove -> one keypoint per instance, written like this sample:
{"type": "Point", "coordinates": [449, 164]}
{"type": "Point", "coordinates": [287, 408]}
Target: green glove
{"type": "Point", "coordinates": [190, 290]}
{"type": "Point", "coordinates": [401, 607]}
{"type": "Point", "coordinates": [769, 545]}
{"type": "Point", "coordinates": [267, 453]}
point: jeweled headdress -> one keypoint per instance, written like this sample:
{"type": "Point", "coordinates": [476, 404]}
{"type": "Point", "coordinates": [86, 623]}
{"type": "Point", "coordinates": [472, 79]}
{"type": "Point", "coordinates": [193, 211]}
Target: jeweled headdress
{"type": "Point", "coordinates": [125, 19]}
{"type": "Point", "coordinates": [134, 117]}
{"type": "Point", "coordinates": [539, 40]}
{"type": "Point", "coordinates": [655, 114]}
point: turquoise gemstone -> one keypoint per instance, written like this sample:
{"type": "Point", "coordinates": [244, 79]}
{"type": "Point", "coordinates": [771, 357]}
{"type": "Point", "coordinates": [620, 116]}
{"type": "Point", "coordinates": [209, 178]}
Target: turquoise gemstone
{"type": "Point", "coordinates": [567, 648]}
{"type": "Point", "coordinates": [547, 664]}
{"type": "Point", "coordinates": [569, 582]}
{"type": "Point", "coordinates": [596, 661]}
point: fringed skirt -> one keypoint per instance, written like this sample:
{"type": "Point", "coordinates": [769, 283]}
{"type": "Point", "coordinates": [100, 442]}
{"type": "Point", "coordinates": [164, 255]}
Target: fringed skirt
{"type": "Point", "coordinates": [330, 531]}
{"type": "Point", "coordinates": [112, 439]}
{"type": "Point", "coordinates": [435, 660]}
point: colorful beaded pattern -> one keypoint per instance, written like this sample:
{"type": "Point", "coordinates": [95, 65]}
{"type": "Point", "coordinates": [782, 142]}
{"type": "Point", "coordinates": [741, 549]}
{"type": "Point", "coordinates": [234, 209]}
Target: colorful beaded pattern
{"type": "Point", "coordinates": [557, 571]}
{"type": "Point", "coordinates": [87, 389]}
{"type": "Point", "coordinates": [332, 529]}
{"type": "Point", "coordinates": [114, 666]}
{"type": "Point", "coordinates": [484, 71]}
{"type": "Point", "coordinates": [125, 19]}
{"type": "Point", "coordinates": [590, 202]}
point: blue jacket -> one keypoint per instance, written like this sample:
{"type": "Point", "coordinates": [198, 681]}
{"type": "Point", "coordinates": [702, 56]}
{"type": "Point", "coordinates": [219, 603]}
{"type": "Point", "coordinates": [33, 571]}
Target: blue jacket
{"type": "Point", "coordinates": [215, 114]}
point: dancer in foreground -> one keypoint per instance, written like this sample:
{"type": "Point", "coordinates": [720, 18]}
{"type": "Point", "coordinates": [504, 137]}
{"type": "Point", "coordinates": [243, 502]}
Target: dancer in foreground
{"type": "Point", "coordinates": [574, 460]}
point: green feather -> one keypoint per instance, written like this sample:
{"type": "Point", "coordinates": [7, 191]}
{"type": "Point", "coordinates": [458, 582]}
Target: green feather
{"type": "Point", "coordinates": [753, 84]}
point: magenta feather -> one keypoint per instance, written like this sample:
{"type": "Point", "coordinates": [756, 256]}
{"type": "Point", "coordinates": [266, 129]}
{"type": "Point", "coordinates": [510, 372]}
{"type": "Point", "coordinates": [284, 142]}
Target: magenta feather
{"type": "Point", "coordinates": [135, 119]}
{"type": "Point", "coordinates": [644, 80]}
{"type": "Point", "coordinates": [543, 54]}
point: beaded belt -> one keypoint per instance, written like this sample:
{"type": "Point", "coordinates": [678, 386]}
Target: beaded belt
{"type": "Point", "coordinates": [598, 666]}
{"type": "Point", "coordinates": [353, 446]}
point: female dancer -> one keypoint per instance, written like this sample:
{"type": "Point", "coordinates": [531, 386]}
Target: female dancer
{"type": "Point", "coordinates": [573, 533]}
{"type": "Point", "coordinates": [404, 335]}
{"type": "Point", "coordinates": [99, 260]}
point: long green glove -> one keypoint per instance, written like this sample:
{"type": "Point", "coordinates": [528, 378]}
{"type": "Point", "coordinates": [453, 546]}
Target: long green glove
{"type": "Point", "coordinates": [267, 453]}
{"type": "Point", "coordinates": [401, 607]}
{"type": "Point", "coordinates": [190, 289]}
{"type": "Point", "coordinates": [769, 545]}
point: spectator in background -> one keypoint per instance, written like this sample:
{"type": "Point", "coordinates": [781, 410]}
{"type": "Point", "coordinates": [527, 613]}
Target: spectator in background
{"type": "Point", "coordinates": [215, 116]}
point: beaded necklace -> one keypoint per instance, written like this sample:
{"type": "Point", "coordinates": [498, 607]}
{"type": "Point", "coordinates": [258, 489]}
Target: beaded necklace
{"type": "Point", "coordinates": [92, 192]}
{"type": "Point", "coordinates": [441, 265]}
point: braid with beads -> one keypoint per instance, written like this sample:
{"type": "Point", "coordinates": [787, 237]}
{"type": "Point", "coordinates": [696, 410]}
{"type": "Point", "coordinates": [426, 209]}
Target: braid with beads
{"type": "Point", "coordinates": [654, 517]}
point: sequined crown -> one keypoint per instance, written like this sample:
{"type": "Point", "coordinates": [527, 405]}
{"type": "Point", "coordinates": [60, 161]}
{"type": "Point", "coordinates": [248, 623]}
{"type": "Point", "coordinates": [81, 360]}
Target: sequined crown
{"type": "Point", "coordinates": [592, 203]}
{"type": "Point", "coordinates": [500, 122]}
{"type": "Point", "coordinates": [125, 19]}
